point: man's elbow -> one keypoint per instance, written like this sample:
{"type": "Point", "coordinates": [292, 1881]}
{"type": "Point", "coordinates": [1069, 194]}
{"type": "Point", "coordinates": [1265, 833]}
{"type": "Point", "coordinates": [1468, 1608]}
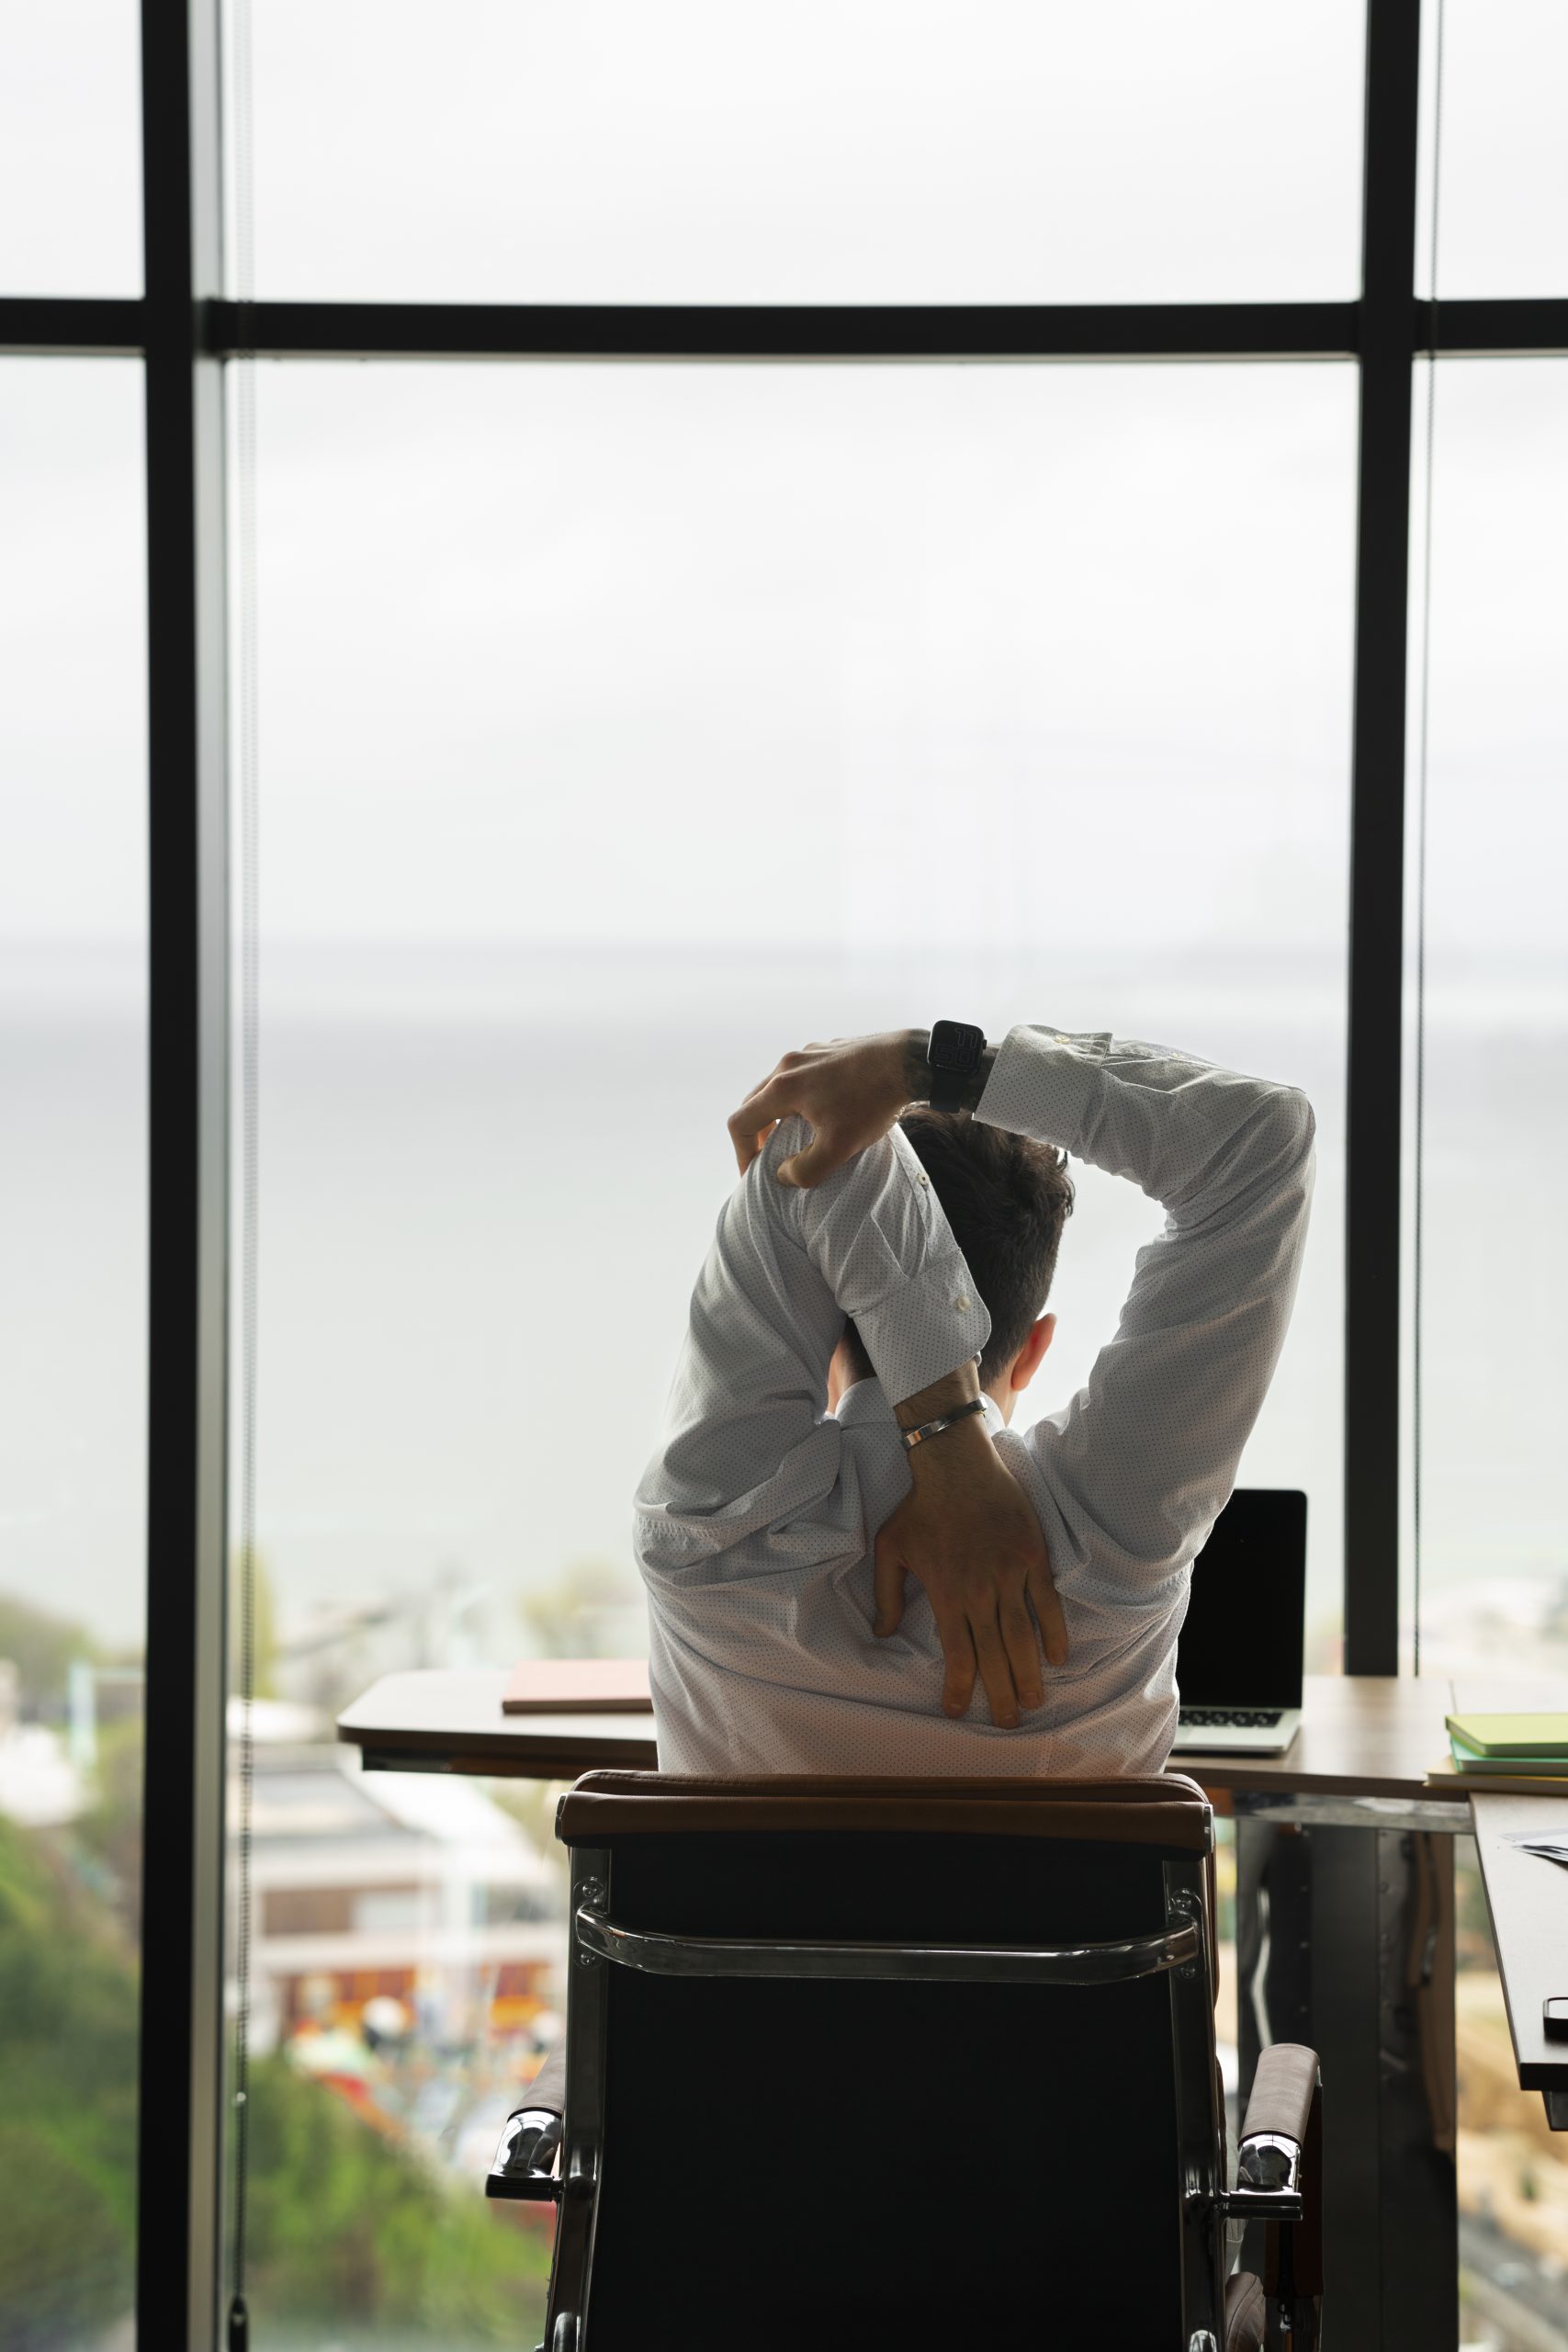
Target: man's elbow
{"type": "Point", "coordinates": [1292, 1133]}
{"type": "Point", "coordinates": [1298, 1122]}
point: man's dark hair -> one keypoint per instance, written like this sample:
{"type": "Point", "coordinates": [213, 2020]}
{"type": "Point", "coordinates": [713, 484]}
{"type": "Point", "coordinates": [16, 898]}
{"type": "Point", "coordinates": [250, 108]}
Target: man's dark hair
{"type": "Point", "coordinates": [1006, 1199]}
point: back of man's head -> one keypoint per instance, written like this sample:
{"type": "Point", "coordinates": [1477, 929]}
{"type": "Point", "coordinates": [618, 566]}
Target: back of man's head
{"type": "Point", "coordinates": [1006, 1199]}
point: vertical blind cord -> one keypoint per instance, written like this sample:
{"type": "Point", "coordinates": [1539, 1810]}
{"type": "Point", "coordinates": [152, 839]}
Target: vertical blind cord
{"type": "Point", "coordinates": [244, 640]}
{"type": "Point", "coordinates": [1418, 1255]}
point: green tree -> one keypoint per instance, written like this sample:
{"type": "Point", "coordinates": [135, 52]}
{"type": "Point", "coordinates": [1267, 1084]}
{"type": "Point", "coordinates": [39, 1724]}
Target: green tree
{"type": "Point", "coordinates": [41, 1646]}
{"type": "Point", "coordinates": [64, 2253]}
{"type": "Point", "coordinates": [68, 2135]}
{"type": "Point", "coordinates": [110, 1829]}
{"type": "Point", "coordinates": [348, 2226]}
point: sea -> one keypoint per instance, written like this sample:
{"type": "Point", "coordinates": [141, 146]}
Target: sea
{"type": "Point", "coordinates": [487, 1176]}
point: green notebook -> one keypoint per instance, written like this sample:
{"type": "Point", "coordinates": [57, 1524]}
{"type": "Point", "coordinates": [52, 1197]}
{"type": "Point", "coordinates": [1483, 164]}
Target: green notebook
{"type": "Point", "coordinates": [1471, 1767]}
{"type": "Point", "coordinates": [1538, 1738]}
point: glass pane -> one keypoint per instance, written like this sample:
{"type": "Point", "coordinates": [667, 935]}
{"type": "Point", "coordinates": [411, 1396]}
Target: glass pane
{"type": "Point", "coordinates": [1502, 216]}
{"type": "Point", "coordinates": [1494, 1510]}
{"type": "Point", "coordinates": [617, 729]}
{"type": "Point", "coordinates": [959, 151]}
{"type": "Point", "coordinates": [70, 148]}
{"type": "Point", "coordinates": [73, 1341]}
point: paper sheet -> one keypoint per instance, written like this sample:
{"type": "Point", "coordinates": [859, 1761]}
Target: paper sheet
{"type": "Point", "coordinates": [1551, 1849]}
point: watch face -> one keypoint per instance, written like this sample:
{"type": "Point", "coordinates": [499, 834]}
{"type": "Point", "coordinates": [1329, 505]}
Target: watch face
{"type": "Point", "coordinates": [956, 1045]}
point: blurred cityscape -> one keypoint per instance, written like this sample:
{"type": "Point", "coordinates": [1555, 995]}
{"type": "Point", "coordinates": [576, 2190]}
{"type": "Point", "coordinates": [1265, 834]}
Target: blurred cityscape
{"type": "Point", "coordinates": [407, 1950]}
{"type": "Point", "coordinates": [407, 1980]}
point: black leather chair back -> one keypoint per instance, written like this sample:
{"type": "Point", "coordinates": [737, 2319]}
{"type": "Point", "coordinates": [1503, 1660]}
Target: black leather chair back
{"type": "Point", "coordinates": [799, 2161]}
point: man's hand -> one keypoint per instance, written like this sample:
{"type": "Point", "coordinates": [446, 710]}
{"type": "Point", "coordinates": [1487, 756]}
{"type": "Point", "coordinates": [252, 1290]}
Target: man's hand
{"type": "Point", "coordinates": [850, 1092]}
{"type": "Point", "coordinates": [969, 1535]}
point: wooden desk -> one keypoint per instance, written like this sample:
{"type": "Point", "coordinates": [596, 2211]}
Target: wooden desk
{"type": "Point", "coordinates": [450, 1720]}
{"type": "Point", "coordinates": [1529, 1901]}
{"type": "Point", "coordinates": [1343, 1848]}
{"type": "Point", "coordinates": [1364, 1738]}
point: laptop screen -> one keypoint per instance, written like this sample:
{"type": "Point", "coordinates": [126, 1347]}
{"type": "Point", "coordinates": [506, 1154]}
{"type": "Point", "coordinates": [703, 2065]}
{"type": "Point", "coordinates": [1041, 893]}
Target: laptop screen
{"type": "Point", "coordinates": [1241, 1646]}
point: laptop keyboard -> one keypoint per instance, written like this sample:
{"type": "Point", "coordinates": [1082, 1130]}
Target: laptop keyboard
{"type": "Point", "coordinates": [1243, 1718]}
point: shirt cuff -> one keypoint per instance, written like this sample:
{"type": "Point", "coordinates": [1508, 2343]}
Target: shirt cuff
{"type": "Point", "coordinates": [1042, 1083]}
{"type": "Point", "coordinates": [925, 1329]}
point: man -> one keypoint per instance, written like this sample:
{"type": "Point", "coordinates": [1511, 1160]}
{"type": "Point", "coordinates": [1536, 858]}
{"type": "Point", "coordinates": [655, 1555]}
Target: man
{"type": "Point", "coordinates": [837, 1316]}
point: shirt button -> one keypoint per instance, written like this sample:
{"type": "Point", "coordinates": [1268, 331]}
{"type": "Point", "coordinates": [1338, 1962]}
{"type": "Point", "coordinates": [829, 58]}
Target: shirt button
{"type": "Point", "coordinates": [961, 1302]}
{"type": "Point", "coordinates": [925, 1178]}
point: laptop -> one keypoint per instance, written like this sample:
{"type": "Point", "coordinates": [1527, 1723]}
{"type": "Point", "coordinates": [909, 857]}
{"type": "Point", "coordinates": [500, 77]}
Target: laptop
{"type": "Point", "coordinates": [1238, 1663]}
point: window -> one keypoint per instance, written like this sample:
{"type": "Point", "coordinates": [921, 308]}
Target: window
{"type": "Point", "coordinates": [1503, 218]}
{"type": "Point", "coordinates": [70, 149]}
{"type": "Point", "coordinates": [406, 1942]}
{"type": "Point", "coordinates": [1494, 1549]}
{"type": "Point", "coordinates": [623, 726]}
{"type": "Point", "coordinates": [73, 1342]}
{"type": "Point", "coordinates": [541, 649]}
{"type": "Point", "coordinates": [949, 151]}
{"type": "Point", "coordinates": [1489, 1592]}
{"type": "Point", "coordinates": [620, 727]}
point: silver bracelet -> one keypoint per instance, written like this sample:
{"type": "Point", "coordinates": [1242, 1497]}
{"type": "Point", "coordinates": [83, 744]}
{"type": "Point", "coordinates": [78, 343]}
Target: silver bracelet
{"type": "Point", "coordinates": [909, 1439]}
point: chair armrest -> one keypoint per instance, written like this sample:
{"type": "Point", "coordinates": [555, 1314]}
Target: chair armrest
{"type": "Point", "coordinates": [1280, 2110]}
{"type": "Point", "coordinates": [524, 2163]}
{"type": "Point", "coordinates": [1268, 2173]}
{"type": "Point", "coordinates": [547, 2089]}
{"type": "Point", "coordinates": [1280, 2183]}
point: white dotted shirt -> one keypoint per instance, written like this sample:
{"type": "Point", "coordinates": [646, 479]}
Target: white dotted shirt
{"type": "Point", "coordinates": [755, 1520]}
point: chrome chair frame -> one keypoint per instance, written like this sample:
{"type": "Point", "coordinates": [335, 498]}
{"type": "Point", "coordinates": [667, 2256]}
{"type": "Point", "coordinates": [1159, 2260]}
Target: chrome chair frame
{"type": "Point", "coordinates": [1102, 1963]}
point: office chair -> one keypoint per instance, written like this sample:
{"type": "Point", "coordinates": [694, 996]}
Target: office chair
{"type": "Point", "coordinates": [905, 2064]}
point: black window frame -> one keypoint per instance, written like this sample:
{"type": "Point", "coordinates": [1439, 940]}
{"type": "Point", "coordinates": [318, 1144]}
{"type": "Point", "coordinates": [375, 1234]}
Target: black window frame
{"type": "Point", "coordinates": [183, 328]}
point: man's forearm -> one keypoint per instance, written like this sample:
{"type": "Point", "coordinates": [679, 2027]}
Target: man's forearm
{"type": "Point", "coordinates": [850, 1225]}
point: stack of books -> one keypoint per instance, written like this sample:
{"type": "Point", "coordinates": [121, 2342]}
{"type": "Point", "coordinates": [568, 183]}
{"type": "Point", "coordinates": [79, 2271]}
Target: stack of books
{"type": "Point", "coordinates": [1510, 1747]}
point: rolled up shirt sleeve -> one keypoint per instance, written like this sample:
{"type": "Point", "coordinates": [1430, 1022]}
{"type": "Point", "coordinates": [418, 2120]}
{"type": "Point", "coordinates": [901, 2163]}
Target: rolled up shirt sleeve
{"type": "Point", "coordinates": [1129, 1476]}
{"type": "Point", "coordinates": [750, 1456]}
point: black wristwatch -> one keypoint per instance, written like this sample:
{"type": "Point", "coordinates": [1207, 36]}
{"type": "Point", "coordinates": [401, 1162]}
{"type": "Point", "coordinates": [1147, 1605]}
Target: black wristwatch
{"type": "Point", "coordinates": [953, 1056]}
